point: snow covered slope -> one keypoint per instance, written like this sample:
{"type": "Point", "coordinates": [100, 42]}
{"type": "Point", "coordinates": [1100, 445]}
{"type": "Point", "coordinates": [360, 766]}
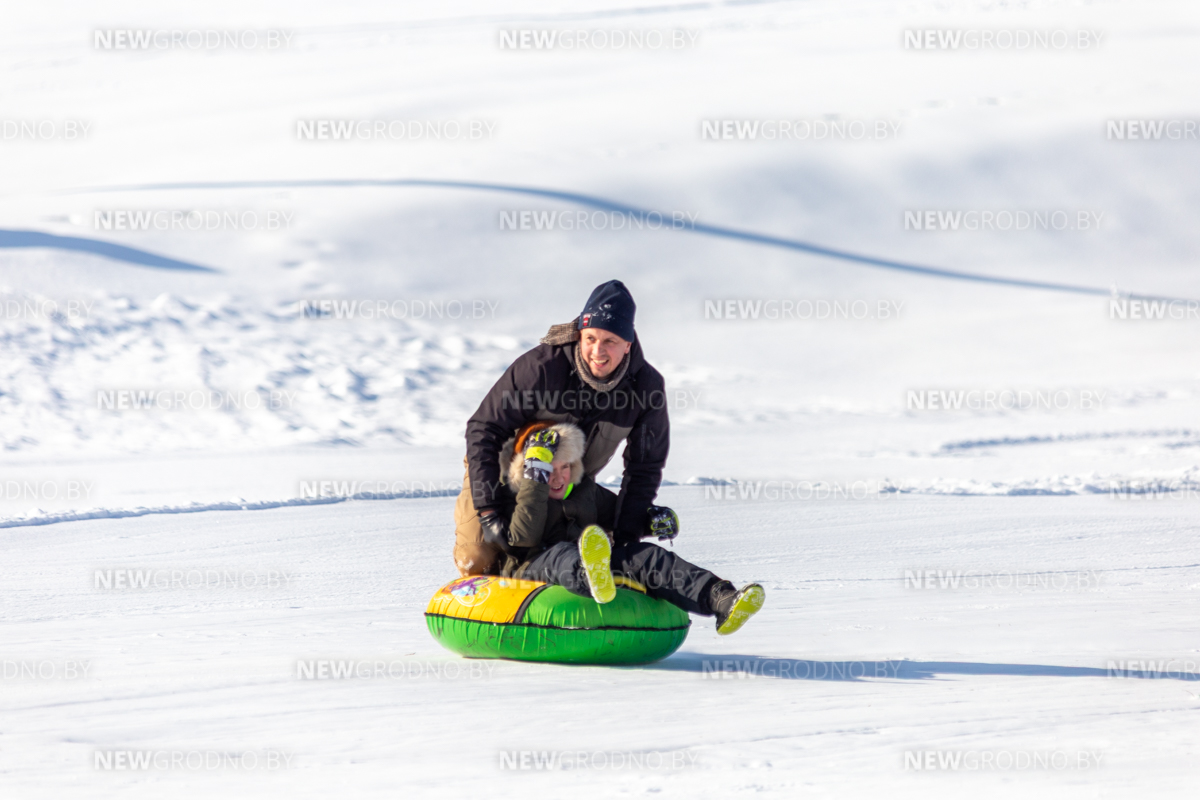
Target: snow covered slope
{"type": "Point", "coordinates": [974, 131]}
{"type": "Point", "coordinates": [214, 331]}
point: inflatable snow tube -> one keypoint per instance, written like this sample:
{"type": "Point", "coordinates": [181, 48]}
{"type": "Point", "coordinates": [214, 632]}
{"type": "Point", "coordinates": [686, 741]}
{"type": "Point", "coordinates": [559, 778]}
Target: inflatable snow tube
{"type": "Point", "coordinates": [486, 616]}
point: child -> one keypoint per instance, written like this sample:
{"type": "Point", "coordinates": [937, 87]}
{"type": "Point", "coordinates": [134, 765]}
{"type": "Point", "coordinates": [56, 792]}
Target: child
{"type": "Point", "coordinates": [557, 534]}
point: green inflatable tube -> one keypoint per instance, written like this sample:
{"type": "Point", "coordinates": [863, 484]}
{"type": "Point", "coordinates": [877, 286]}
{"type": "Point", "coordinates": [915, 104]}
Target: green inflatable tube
{"type": "Point", "coordinates": [493, 617]}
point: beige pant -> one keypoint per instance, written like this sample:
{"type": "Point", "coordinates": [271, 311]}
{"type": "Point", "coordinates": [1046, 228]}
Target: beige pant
{"type": "Point", "coordinates": [472, 555]}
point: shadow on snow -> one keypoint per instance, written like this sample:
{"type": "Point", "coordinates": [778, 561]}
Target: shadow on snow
{"type": "Point", "coordinates": [591, 201]}
{"type": "Point", "coordinates": [117, 252]}
{"type": "Point", "coordinates": [727, 666]}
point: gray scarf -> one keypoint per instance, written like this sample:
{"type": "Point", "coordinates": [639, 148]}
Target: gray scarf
{"type": "Point", "coordinates": [567, 333]}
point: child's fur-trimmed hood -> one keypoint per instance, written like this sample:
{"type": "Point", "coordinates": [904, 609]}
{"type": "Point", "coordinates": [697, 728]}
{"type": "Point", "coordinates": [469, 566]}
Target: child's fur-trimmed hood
{"type": "Point", "coordinates": [570, 448]}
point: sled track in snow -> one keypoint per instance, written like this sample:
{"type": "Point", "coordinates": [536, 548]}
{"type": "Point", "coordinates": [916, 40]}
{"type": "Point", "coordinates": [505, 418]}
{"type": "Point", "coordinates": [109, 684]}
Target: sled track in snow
{"type": "Point", "coordinates": [1187, 438]}
{"type": "Point", "coordinates": [228, 505]}
{"type": "Point", "coordinates": [589, 201]}
{"type": "Point", "coordinates": [1061, 486]}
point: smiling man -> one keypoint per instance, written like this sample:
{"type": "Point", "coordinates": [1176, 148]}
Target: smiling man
{"type": "Point", "coordinates": [589, 372]}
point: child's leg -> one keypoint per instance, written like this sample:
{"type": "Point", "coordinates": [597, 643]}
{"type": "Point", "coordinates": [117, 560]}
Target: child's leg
{"type": "Point", "coordinates": [559, 564]}
{"type": "Point", "coordinates": [665, 575]}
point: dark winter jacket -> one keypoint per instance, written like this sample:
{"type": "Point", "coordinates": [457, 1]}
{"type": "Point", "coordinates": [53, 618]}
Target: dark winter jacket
{"type": "Point", "coordinates": [543, 384]}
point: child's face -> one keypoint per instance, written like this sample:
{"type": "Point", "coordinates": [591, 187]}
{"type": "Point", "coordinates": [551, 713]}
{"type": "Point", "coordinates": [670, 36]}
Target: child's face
{"type": "Point", "coordinates": [560, 477]}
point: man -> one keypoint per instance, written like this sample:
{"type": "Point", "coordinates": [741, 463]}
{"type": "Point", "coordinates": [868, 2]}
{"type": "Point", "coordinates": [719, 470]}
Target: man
{"type": "Point", "coordinates": [590, 372]}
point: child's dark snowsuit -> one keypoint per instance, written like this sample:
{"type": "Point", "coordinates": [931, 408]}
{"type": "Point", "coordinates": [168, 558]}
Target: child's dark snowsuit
{"type": "Point", "coordinates": [544, 535]}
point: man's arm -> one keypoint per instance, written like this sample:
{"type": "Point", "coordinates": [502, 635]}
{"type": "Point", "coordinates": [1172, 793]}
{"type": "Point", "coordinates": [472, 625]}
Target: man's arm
{"type": "Point", "coordinates": [645, 456]}
{"type": "Point", "coordinates": [500, 414]}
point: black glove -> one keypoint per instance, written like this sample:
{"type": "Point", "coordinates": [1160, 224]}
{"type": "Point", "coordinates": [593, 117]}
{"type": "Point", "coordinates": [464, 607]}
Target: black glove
{"type": "Point", "coordinates": [664, 523]}
{"type": "Point", "coordinates": [495, 530]}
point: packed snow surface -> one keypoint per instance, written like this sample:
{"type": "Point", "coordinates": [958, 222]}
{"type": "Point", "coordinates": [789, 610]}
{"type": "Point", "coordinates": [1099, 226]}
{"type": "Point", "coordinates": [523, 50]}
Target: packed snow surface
{"type": "Point", "coordinates": [1047, 641]}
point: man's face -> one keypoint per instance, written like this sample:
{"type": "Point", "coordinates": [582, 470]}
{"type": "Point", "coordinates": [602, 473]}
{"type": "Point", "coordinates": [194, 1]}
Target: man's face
{"type": "Point", "coordinates": [560, 478]}
{"type": "Point", "coordinates": [602, 351]}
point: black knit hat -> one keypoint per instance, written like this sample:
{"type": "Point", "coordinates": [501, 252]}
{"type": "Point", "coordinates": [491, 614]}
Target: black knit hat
{"type": "Point", "coordinates": [610, 308]}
